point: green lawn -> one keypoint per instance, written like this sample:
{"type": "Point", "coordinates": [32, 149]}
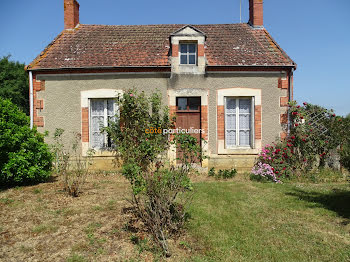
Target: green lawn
{"type": "Point", "coordinates": [231, 220]}
{"type": "Point", "coordinates": [250, 221]}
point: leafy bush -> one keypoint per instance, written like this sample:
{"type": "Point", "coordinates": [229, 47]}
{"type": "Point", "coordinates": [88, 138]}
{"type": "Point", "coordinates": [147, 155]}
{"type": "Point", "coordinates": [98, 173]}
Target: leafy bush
{"type": "Point", "coordinates": [160, 190]}
{"type": "Point", "coordinates": [222, 173]}
{"type": "Point", "coordinates": [24, 157]}
{"type": "Point", "coordinates": [345, 145]}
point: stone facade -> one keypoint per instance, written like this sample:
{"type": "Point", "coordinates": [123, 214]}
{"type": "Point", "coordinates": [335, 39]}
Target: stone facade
{"type": "Point", "coordinates": [64, 94]}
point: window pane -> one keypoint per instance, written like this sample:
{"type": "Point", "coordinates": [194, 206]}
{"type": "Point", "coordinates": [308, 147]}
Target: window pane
{"type": "Point", "coordinates": [183, 59]}
{"type": "Point", "coordinates": [194, 103]}
{"type": "Point", "coordinates": [191, 48]}
{"type": "Point", "coordinates": [97, 140]}
{"type": "Point", "coordinates": [230, 105]}
{"type": "Point", "coordinates": [110, 107]}
{"type": "Point", "coordinates": [230, 138]}
{"type": "Point", "coordinates": [182, 103]}
{"type": "Point", "coordinates": [244, 138]}
{"type": "Point", "coordinates": [192, 59]}
{"type": "Point", "coordinates": [244, 105]}
{"type": "Point", "coordinates": [183, 48]}
{"type": "Point", "coordinates": [244, 121]}
{"type": "Point", "coordinates": [97, 107]}
{"type": "Point", "coordinates": [231, 121]}
{"type": "Point", "coordinates": [96, 123]}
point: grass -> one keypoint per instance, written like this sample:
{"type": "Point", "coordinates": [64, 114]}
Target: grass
{"type": "Point", "coordinates": [231, 220]}
{"type": "Point", "coordinates": [250, 221]}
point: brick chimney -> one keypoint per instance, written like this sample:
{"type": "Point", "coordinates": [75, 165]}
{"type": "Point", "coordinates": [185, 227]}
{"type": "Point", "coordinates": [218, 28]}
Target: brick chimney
{"type": "Point", "coordinates": [256, 13]}
{"type": "Point", "coordinates": [71, 14]}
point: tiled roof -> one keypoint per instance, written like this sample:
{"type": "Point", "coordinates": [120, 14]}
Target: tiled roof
{"type": "Point", "coordinates": [93, 46]}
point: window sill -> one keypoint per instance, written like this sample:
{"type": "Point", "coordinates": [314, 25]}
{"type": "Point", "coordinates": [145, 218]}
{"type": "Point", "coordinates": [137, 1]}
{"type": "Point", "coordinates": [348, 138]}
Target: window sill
{"type": "Point", "coordinates": [235, 151]}
{"type": "Point", "coordinates": [103, 152]}
{"type": "Point", "coordinates": [238, 151]}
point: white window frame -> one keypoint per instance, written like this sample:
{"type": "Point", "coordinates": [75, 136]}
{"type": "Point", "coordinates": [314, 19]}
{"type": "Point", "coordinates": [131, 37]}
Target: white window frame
{"type": "Point", "coordinates": [105, 119]}
{"type": "Point", "coordinates": [237, 113]}
{"type": "Point", "coordinates": [188, 53]}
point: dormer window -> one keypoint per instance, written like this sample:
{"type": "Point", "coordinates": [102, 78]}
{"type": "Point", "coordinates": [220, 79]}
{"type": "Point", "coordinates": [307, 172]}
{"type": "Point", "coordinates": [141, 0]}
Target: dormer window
{"type": "Point", "coordinates": [188, 54]}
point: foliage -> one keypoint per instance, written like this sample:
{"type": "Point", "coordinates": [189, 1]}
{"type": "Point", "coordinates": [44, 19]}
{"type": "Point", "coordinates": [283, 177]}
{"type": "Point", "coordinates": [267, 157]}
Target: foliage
{"type": "Point", "coordinates": [70, 164]}
{"type": "Point", "coordinates": [264, 172]}
{"type": "Point", "coordinates": [315, 132]}
{"type": "Point", "coordinates": [160, 193]}
{"type": "Point", "coordinates": [14, 83]}
{"type": "Point", "coordinates": [345, 145]}
{"type": "Point", "coordinates": [24, 157]}
{"type": "Point", "coordinates": [222, 173]}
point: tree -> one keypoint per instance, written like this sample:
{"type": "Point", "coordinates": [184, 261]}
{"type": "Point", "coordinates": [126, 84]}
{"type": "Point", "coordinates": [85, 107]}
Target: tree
{"type": "Point", "coordinates": [14, 83]}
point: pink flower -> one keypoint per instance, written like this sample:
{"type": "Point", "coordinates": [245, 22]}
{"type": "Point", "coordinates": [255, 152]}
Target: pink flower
{"type": "Point", "coordinates": [131, 94]}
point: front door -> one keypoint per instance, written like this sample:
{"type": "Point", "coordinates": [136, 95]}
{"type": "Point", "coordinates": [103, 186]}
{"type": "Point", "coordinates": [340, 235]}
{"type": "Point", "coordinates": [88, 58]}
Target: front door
{"type": "Point", "coordinates": [188, 112]}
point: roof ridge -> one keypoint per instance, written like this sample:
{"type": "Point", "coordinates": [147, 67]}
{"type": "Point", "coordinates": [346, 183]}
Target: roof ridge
{"type": "Point", "coordinates": [164, 24]}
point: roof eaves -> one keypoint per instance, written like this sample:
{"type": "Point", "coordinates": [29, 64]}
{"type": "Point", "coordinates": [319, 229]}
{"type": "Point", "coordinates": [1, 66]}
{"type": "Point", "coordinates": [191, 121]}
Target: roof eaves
{"type": "Point", "coordinates": [96, 68]}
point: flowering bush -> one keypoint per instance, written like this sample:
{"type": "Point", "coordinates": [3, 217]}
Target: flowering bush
{"type": "Point", "coordinates": [263, 171]}
{"type": "Point", "coordinates": [314, 132]}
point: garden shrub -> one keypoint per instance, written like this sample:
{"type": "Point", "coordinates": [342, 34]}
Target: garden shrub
{"type": "Point", "coordinates": [314, 133]}
{"type": "Point", "coordinates": [24, 156]}
{"type": "Point", "coordinates": [70, 164]}
{"type": "Point", "coordinates": [264, 172]}
{"type": "Point", "coordinates": [222, 173]}
{"type": "Point", "coordinates": [345, 145]}
{"type": "Point", "coordinates": [160, 190]}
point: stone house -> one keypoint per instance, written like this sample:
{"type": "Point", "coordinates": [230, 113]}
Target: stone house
{"type": "Point", "coordinates": [231, 80]}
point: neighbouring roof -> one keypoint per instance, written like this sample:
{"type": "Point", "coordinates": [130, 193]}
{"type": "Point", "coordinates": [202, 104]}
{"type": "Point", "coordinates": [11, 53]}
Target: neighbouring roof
{"type": "Point", "coordinates": [94, 46]}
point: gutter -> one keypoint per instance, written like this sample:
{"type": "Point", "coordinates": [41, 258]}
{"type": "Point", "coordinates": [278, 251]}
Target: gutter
{"type": "Point", "coordinates": [31, 99]}
{"type": "Point", "coordinates": [100, 68]}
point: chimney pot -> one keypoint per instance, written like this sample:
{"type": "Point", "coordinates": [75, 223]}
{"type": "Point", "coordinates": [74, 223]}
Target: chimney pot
{"type": "Point", "coordinates": [256, 13]}
{"type": "Point", "coordinates": [71, 14]}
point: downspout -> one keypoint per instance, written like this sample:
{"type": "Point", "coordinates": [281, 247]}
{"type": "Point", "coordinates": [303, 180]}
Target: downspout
{"type": "Point", "coordinates": [31, 99]}
{"type": "Point", "coordinates": [290, 77]}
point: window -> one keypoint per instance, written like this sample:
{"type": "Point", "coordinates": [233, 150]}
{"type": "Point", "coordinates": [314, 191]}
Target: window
{"type": "Point", "coordinates": [238, 118]}
{"type": "Point", "coordinates": [102, 111]}
{"type": "Point", "coordinates": [188, 54]}
{"type": "Point", "coordinates": [188, 103]}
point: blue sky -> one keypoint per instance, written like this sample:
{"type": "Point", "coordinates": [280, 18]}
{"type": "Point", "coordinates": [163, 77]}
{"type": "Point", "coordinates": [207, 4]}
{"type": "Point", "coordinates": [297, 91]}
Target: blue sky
{"type": "Point", "coordinates": [315, 34]}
